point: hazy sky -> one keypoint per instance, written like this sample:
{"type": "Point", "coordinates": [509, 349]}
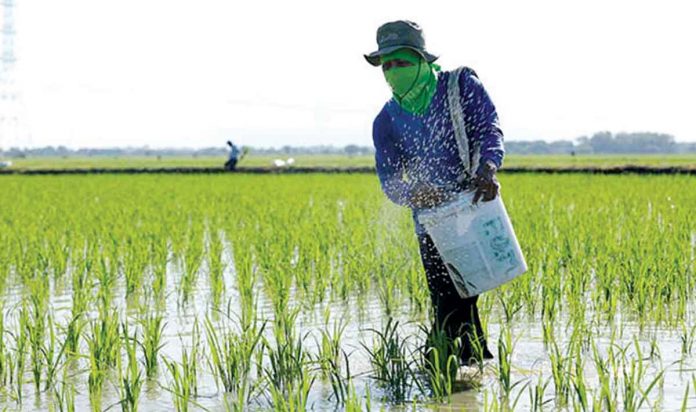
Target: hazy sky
{"type": "Point", "coordinates": [194, 73]}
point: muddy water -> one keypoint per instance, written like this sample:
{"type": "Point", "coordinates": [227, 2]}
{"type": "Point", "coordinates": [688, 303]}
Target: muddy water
{"type": "Point", "coordinates": [529, 359]}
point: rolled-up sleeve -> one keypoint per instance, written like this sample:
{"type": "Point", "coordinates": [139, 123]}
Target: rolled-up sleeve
{"type": "Point", "coordinates": [388, 162]}
{"type": "Point", "coordinates": [481, 117]}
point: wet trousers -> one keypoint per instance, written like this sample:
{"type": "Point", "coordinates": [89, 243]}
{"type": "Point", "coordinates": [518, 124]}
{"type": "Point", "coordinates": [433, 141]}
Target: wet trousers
{"type": "Point", "coordinates": [459, 317]}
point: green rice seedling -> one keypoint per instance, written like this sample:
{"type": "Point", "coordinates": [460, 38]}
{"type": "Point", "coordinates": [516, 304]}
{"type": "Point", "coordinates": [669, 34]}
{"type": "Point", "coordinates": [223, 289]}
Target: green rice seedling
{"type": "Point", "coordinates": [215, 266]}
{"type": "Point", "coordinates": [59, 255]}
{"type": "Point", "coordinates": [581, 400]}
{"type": "Point", "coordinates": [510, 308]}
{"type": "Point", "coordinates": [106, 275]}
{"type": "Point", "coordinates": [246, 284]}
{"type": "Point", "coordinates": [536, 394]}
{"type": "Point", "coordinates": [159, 258]}
{"type": "Point", "coordinates": [21, 342]}
{"type": "Point", "coordinates": [439, 360]}
{"type": "Point", "coordinates": [191, 361]}
{"type": "Point", "coordinates": [32, 337]}
{"type": "Point", "coordinates": [134, 264]}
{"type": "Point", "coordinates": [152, 328]}
{"type": "Point", "coordinates": [340, 384]}
{"type": "Point", "coordinates": [477, 349]}
{"type": "Point", "coordinates": [64, 397]}
{"type": "Point", "coordinates": [179, 386]}
{"type": "Point", "coordinates": [387, 291]}
{"type": "Point", "coordinates": [655, 348]}
{"type": "Point", "coordinates": [73, 333]}
{"type": "Point", "coordinates": [5, 354]}
{"type": "Point", "coordinates": [493, 403]}
{"type": "Point", "coordinates": [103, 341]}
{"type": "Point", "coordinates": [606, 398]}
{"type": "Point", "coordinates": [561, 370]}
{"type": "Point", "coordinates": [505, 350]}
{"type": "Point", "coordinates": [277, 284]}
{"type": "Point", "coordinates": [130, 376]}
{"type": "Point", "coordinates": [389, 359]}
{"type": "Point", "coordinates": [33, 319]}
{"type": "Point", "coordinates": [183, 382]}
{"type": "Point", "coordinates": [633, 372]}
{"type": "Point", "coordinates": [292, 398]}
{"type": "Point", "coordinates": [687, 338]}
{"type": "Point", "coordinates": [287, 359]}
{"type": "Point", "coordinates": [192, 259]}
{"type": "Point", "coordinates": [329, 345]}
{"type": "Point", "coordinates": [53, 352]}
{"type": "Point", "coordinates": [231, 354]}
{"type": "Point", "coordinates": [355, 404]}
{"type": "Point", "coordinates": [80, 286]}
{"type": "Point", "coordinates": [9, 361]}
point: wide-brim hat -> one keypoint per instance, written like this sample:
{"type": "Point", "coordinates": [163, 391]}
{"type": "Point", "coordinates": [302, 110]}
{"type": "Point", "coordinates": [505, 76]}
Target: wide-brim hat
{"type": "Point", "coordinates": [400, 34]}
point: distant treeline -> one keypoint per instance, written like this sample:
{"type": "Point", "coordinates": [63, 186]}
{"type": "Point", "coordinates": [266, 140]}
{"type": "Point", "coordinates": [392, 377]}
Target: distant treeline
{"type": "Point", "coordinates": [599, 143]}
{"type": "Point", "coordinates": [605, 143]}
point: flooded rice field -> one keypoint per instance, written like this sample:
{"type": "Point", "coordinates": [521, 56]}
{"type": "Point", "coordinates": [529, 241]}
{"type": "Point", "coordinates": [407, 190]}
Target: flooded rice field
{"type": "Point", "coordinates": [307, 293]}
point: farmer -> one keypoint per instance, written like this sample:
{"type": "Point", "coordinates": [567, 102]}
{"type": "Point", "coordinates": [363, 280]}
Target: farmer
{"type": "Point", "coordinates": [418, 160]}
{"type": "Point", "coordinates": [233, 158]}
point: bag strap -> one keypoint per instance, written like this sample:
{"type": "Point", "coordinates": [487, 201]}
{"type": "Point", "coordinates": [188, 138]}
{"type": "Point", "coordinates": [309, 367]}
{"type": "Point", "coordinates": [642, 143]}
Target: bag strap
{"type": "Point", "coordinates": [459, 124]}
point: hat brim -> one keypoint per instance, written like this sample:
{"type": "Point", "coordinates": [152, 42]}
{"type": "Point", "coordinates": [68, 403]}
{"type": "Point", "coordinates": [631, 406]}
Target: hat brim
{"type": "Point", "coordinates": [374, 58]}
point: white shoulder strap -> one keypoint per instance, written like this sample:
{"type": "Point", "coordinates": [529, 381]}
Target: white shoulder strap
{"type": "Point", "coordinates": [459, 125]}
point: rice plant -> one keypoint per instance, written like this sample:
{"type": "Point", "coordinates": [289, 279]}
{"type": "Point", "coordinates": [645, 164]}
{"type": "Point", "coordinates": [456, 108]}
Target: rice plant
{"type": "Point", "coordinates": [53, 352]}
{"type": "Point", "coordinates": [390, 360]}
{"type": "Point", "coordinates": [440, 358]}
{"type": "Point", "coordinates": [329, 354]}
{"type": "Point", "coordinates": [184, 375]}
{"type": "Point", "coordinates": [215, 248]}
{"type": "Point", "coordinates": [288, 361]}
{"type": "Point", "coordinates": [103, 341]}
{"type": "Point", "coordinates": [64, 398]}
{"type": "Point", "coordinates": [130, 376]}
{"type": "Point", "coordinates": [152, 326]}
{"type": "Point", "coordinates": [505, 349]}
{"type": "Point", "coordinates": [231, 355]}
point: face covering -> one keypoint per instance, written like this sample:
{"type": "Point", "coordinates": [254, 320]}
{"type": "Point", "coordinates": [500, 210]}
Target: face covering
{"type": "Point", "coordinates": [413, 87]}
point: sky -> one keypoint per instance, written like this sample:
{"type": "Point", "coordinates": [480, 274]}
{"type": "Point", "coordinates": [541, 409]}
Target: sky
{"type": "Point", "coordinates": [173, 73]}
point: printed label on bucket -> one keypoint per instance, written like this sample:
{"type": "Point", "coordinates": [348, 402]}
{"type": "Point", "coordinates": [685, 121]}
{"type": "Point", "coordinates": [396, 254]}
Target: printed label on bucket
{"type": "Point", "coordinates": [501, 248]}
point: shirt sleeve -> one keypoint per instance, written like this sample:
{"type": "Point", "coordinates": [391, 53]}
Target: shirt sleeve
{"type": "Point", "coordinates": [388, 162]}
{"type": "Point", "coordinates": [481, 118]}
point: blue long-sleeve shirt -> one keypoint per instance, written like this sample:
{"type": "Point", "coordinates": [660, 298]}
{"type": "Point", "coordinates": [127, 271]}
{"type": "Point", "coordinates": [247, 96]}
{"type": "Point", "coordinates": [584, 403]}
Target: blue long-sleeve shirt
{"type": "Point", "coordinates": [415, 149]}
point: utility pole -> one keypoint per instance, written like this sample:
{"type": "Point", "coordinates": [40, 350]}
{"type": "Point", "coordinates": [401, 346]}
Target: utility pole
{"type": "Point", "coordinates": [9, 99]}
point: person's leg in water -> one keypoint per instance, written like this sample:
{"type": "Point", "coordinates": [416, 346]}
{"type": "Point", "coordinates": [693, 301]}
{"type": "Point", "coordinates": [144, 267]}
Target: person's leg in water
{"type": "Point", "coordinates": [457, 316]}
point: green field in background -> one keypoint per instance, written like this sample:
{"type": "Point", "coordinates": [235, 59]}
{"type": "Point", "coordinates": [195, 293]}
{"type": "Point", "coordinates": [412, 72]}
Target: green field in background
{"type": "Point", "coordinates": [561, 161]}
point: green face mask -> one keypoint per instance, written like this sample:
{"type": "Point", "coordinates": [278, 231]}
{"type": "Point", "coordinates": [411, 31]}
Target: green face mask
{"type": "Point", "coordinates": [413, 87]}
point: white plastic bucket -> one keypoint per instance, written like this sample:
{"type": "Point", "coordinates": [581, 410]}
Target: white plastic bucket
{"type": "Point", "coordinates": [476, 242]}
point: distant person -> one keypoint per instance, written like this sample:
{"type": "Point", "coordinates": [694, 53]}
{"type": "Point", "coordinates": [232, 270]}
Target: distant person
{"type": "Point", "coordinates": [418, 160]}
{"type": "Point", "coordinates": [233, 158]}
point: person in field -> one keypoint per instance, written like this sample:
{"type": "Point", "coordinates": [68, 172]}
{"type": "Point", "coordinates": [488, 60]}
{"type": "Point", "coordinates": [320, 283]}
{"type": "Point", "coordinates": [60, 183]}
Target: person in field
{"type": "Point", "coordinates": [418, 160]}
{"type": "Point", "coordinates": [233, 157]}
